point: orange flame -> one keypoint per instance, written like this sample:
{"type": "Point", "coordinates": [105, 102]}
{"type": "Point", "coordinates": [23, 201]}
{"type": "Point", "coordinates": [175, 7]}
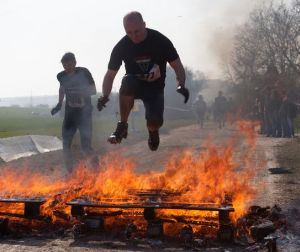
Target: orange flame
{"type": "Point", "coordinates": [201, 177]}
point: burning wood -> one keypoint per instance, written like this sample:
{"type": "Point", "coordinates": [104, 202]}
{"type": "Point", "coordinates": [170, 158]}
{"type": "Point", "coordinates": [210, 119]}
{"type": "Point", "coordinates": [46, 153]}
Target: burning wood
{"type": "Point", "coordinates": [130, 231]}
{"type": "Point", "coordinates": [3, 226]}
{"type": "Point", "coordinates": [186, 234]}
{"type": "Point", "coordinates": [260, 231]}
{"type": "Point", "coordinates": [61, 215]}
{"type": "Point", "coordinates": [31, 206]}
{"type": "Point", "coordinates": [156, 220]}
{"type": "Point", "coordinates": [257, 225]}
{"type": "Point", "coordinates": [213, 178]}
{"type": "Point", "coordinates": [155, 229]}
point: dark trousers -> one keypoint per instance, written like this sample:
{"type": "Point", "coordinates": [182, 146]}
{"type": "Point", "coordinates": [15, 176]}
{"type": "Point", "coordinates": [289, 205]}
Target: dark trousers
{"type": "Point", "coordinates": [287, 126]}
{"type": "Point", "coordinates": [221, 119]}
{"type": "Point", "coordinates": [200, 118]}
{"type": "Point", "coordinates": [268, 123]}
{"type": "Point", "coordinates": [151, 94]}
{"type": "Point", "coordinates": [81, 119]}
{"type": "Point", "coordinates": [276, 124]}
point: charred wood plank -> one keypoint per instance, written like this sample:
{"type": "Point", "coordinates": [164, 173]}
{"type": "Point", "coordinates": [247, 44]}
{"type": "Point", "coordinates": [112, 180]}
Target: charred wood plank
{"type": "Point", "coordinates": [23, 200]}
{"type": "Point", "coordinates": [31, 205]}
{"type": "Point", "coordinates": [155, 206]}
{"type": "Point", "coordinates": [39, 217]}
{"type": "Point", "coordinates": [4, 226]}
{"type": "Point", "coordinates": [105, 213]}
{"type": "Point", "coordinates": [260, 231]}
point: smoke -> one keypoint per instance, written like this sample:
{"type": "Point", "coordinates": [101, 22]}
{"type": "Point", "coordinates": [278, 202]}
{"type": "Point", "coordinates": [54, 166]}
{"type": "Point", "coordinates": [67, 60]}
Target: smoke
{"type": "Point", "coordinates": [215, 36]}
{"type": "Point", "coordinates": [211, 89]}
{"type": "Point", "coordinates": [217, 33]}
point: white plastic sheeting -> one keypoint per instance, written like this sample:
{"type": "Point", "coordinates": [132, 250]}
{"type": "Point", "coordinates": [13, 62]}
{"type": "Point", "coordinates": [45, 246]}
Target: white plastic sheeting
{"type": "Point", "coordinates": [23, 146]}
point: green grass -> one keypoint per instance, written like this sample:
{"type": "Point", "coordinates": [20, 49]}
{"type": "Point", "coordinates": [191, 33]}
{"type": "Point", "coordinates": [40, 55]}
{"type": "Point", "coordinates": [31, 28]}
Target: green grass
{"type": "Point", "coordinates": [16, 121]}
{"type": "Point", "coordinates": [22, 121]}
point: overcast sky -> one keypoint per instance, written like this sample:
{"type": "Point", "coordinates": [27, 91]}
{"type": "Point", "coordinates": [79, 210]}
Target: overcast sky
{"type": "Point", "coordinates": [36, 33]}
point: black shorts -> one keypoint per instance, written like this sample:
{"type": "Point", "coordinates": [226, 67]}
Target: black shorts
{"type": "Point", "coordinates": [151, 94]}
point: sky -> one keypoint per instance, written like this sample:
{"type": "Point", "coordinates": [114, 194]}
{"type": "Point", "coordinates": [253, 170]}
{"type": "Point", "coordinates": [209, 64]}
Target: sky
{"type": "Point", "coordinates": [36, 33]}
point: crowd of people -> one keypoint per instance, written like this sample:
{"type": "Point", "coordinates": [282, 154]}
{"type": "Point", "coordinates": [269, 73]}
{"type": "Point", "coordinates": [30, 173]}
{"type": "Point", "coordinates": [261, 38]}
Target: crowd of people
{"type": "Point", "coordinates": [218, 110]}
{"type": "Point", "coordinates": [276, 106]}
{"type": "Point", "coordinates": [276, 113]}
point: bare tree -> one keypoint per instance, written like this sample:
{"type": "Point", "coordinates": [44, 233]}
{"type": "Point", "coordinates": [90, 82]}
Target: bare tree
{"type": "Point", "coordinates": [271, 36]}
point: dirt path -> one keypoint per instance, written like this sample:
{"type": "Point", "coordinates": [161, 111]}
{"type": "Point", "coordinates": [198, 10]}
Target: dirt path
{"type": "Point", "coordinates": [282, 185]}
{"type": "Point", "coordinates": [281, 189]}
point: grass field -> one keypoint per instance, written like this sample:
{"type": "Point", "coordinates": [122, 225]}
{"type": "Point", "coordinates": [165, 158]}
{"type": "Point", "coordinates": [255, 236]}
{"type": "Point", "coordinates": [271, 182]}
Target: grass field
{"type": "Point", "coordinates": [16, 121]}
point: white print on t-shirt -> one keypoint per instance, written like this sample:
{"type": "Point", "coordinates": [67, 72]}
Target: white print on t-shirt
{"type": "Point", "coordinates": [144, 64]}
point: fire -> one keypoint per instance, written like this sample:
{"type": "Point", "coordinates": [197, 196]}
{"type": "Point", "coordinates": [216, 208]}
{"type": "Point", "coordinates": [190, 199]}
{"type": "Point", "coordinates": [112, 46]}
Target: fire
{"type": "Point", "coordinates": [200, 177]}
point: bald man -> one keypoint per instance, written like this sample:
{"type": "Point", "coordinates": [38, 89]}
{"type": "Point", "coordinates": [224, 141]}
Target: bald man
{"type": "Point", "coordinates": [145, 53]}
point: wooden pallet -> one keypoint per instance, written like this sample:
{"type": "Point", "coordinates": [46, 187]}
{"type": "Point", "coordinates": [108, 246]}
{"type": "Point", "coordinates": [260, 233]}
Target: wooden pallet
{"type": "Point", "coordinates": [31, 207]}
{"type": "Point", "coordinates": [78, 206]}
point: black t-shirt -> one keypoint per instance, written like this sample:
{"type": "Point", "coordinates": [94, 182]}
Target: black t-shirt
{"type": "Point", "coordinates": [140, 58]}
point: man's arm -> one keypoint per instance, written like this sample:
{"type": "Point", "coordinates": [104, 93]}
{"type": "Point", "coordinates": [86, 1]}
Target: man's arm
{"type": "Point", "coordinates": [108, 82]}
{"type": "Point", "coordinates": [179, 71]}
{"type": "Point", "coordinates": [61, 92]}
{"type": "Point", "coordinates": [91, 90]}
{"type": "Point", "coordinates": [106, 88]}
{"type": "Point", "coordinates": [61, 95]}
{"type": "Point", "coordinates": [180, 78]}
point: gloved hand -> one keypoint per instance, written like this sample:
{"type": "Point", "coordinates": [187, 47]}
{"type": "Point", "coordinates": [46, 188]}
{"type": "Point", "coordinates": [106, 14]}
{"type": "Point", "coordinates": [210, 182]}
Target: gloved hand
{"type": "Point", "coordinates": [56, 109]}
{"type": "Point", "coordinates": [102, 100]}
{"type": "Point", "coordinates": [183, 91]}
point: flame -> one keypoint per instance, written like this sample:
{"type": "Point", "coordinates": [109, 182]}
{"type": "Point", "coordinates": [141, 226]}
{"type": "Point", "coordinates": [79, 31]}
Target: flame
{"type": "Point", "coordinates": [200, 177]}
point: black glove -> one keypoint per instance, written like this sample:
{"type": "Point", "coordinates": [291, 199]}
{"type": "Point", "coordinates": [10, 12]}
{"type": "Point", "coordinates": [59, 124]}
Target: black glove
{"type": "Point", "coordinates": [102, 100]}
{"type": "Point", "coordinates": [183, 91]}
{"type": "Point", "coordinates": [56, 109]}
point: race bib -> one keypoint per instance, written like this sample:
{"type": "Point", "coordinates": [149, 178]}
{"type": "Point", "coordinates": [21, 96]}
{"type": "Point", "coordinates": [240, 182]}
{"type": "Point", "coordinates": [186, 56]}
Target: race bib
{"type": "Point", "coordinates": [76, 101]}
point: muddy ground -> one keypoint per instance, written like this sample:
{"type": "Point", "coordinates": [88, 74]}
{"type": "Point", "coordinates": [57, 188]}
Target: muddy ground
{"type": "Point", "coordinates": [281, 187]}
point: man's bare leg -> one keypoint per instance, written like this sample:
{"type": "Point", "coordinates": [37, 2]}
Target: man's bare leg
{"type": "Point", "coordinates": [126, 104]}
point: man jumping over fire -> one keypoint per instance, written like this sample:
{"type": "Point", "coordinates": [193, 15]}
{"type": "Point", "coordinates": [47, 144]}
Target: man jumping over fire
{"type": "Point", "coordinates": [145, 53]}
